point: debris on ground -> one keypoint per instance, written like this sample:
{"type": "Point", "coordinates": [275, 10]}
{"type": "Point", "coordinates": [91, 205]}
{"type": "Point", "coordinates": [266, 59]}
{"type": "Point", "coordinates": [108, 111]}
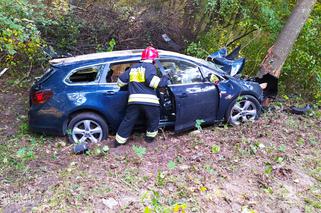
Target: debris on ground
{"type": "Point", "coordinates": [271, 165]}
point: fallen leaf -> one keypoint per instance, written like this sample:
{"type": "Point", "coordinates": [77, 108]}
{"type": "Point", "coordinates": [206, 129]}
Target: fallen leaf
{"type": "Point", "coordinates": [110, 202]}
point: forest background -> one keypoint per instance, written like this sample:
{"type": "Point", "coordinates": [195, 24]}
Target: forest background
{"type": "Point", "coordinates": [199, 27]}
{"type": "Point", "coordinates": [271, 165]}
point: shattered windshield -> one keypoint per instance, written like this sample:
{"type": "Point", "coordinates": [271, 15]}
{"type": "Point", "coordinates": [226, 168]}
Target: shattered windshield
{"type": "Point", "coordinates": [212, 65]}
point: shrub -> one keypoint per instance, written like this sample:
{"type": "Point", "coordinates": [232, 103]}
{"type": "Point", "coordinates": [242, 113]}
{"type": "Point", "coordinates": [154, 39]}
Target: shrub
{"type": "Point", "coordinates": [20, 39]}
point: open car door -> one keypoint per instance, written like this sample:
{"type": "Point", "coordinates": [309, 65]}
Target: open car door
{"type": "Point", "coordinates": [195, 99]}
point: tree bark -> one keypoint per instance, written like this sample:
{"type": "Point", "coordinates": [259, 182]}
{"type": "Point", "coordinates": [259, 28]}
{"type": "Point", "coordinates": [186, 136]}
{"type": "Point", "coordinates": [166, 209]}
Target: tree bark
{"type": "Point", "coordinates": [277, 54]}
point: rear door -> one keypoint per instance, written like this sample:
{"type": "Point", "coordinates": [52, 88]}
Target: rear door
{"type": "Point", "coordinates": [115, 98]}
{"type": "Point", "coordinates": [195, 99]}
{"type": "Point", "coordinates": [84, 91]}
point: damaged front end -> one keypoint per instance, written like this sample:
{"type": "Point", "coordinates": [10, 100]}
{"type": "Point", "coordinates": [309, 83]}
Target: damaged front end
{"type": "Point", "coordinates": [229, 63]}
{"type": "Point", "coordinates": [233, 66]}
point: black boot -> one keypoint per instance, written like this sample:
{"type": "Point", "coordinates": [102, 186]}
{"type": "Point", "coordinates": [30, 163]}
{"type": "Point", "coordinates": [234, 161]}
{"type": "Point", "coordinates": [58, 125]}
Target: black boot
{"type": "Point", "coordinates": [116, 144]}
{"type": "Point", "coordinates": [149, 139]}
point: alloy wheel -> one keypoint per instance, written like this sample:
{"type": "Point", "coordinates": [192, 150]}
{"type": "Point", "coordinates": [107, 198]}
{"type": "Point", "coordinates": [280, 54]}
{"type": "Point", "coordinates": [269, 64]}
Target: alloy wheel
{"type": "Point", "coordinates": [87, 131]}
{"type": "Point", "coordinates": [243, 111]}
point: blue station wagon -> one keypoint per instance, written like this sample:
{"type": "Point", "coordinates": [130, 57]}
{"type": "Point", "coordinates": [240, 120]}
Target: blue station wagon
{"type": "Point", "coordinates": [78, 96]}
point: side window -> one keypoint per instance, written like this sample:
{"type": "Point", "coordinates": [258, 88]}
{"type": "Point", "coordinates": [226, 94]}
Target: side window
{"type": "Point", "coordinates": [85, 75]}
{"type": "Point", "coordinates": [182, 72]}
{"type": "Point", "coordinates": [115, 70]}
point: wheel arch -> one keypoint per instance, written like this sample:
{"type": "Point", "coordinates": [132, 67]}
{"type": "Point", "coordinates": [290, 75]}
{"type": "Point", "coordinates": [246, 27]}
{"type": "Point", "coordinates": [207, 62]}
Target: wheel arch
{"type": "Point", "coordinates": [243, 93]}
{"type": "Point", "coordinates": [83, 110]}
{"type": "Point", "coordinates": [251, 93]}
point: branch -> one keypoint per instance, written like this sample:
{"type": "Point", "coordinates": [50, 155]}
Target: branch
{"type": "Point", "coordinates": [241, 36]}
{"type": "Point", "coordinates": [27, 75]}
{"type": "Point", "coordinates": [3, 71]}
{"type": "Point", "coordinates": [128, 39]}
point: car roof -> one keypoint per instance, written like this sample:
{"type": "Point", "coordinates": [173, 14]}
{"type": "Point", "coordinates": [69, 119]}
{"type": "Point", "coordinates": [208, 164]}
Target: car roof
{"type": "Point", "coordinates": [93, 56]}
{"type": "Point", "coordinates": [124, 54]}
{"type": "Point", "coordinates": [114, 54]}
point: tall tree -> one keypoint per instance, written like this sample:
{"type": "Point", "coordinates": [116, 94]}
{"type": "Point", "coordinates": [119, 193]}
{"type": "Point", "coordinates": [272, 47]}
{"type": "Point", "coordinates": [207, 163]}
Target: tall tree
{"type": "Point", "coordinates": [278, 53]}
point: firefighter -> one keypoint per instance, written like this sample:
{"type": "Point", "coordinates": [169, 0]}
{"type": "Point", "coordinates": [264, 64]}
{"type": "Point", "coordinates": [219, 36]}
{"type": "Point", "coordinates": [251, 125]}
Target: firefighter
{"type": "Point", "coordinates": [142, 83]}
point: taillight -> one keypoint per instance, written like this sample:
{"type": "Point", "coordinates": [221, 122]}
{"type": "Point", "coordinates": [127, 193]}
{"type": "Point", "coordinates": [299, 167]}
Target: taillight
{"type": "Point", "coordinates": [41, 97]}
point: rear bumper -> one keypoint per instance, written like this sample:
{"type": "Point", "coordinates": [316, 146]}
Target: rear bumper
{"type": "Point", "coordinates": [45, 130]}
{"type": "Point", "coordinates": [43, 123]}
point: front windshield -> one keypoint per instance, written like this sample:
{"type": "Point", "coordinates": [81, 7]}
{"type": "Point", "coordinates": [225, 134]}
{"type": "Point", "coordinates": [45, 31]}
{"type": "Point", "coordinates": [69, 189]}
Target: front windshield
{"type": "Point", "coordinates": [208, 64]}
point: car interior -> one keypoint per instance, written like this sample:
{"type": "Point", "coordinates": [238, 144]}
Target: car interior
{"type": "Point", "coordinates": [182, 72]}
{"type": "Point", "coordinates": [85, 75]}
{"type": "Point", "coordinates": [115, 70]}
{"type": "Point", "coordinates": [166, 100]}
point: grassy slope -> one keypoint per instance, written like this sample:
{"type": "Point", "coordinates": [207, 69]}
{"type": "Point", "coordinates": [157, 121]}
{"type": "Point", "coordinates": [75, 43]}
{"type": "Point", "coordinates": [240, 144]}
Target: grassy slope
{"type": "Point", "coordinates": [272, 165]}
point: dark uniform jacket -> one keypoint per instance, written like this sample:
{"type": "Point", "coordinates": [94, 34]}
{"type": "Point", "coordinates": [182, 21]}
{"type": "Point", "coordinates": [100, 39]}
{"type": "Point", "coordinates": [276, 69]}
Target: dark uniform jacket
{"type": "Point", "coordinates": [142, 83]}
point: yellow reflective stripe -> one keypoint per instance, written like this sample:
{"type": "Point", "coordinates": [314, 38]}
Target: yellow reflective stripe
{"type": "Point", "coordinates": [120, 139]}
{"type": "Point", "coordinates": [143, 98]}
{"type": "Point", "coordinates": [151, 134]}
{"type": "Point", "coordinates": [137, 74]}
{"type": "Point", "coordinates": [154, 82]}
{"type": "Point", "coordinates": [120, 83]}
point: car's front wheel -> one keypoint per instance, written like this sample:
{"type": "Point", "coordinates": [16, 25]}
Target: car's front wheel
{"type": "Point", "coordinates": [245, 108]}
{"type": "Point", "coordinates": [87, 128]}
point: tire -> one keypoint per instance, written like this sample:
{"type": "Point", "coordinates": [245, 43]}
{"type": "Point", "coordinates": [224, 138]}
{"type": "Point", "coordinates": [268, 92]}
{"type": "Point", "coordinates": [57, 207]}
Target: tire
{"type": "Point", "coordinates": [87, 127]}
{"type": "Point", "coordinates": [245, 108]}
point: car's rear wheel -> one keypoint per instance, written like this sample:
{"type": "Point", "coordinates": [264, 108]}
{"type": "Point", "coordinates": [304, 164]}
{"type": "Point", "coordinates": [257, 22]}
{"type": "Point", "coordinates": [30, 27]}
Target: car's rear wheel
{"type": "Point", "coordinates": [87, 128]}
{"type": "Point", "coordinates": [245, 108]}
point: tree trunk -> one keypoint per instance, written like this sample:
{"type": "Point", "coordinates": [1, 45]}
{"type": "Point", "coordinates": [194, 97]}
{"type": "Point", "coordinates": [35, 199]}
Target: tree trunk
{"type": "Point", "coordinates": [277, 54]}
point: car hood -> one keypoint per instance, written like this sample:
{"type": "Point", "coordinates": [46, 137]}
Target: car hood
{"type": "Point", "coordinates": [229, 63]}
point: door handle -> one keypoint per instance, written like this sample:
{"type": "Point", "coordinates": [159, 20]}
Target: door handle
{"type": "Point", "coordinates": [183, 95]}
{"type": "Point", "coordinates": [110, 92]}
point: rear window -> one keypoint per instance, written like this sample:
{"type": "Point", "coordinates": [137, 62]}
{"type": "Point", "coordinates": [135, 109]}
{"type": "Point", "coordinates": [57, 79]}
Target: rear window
{"type": "Point", "coordinates": [85, 75]}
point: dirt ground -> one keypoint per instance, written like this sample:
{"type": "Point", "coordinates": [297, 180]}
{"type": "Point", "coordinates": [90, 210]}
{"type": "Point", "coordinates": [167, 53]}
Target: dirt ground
{"type": "Point", "coordinates": [272, 165]}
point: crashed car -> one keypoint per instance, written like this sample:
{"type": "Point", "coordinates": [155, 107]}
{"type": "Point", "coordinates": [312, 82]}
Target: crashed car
{"type": "Point", "coordinates": [79, 97]}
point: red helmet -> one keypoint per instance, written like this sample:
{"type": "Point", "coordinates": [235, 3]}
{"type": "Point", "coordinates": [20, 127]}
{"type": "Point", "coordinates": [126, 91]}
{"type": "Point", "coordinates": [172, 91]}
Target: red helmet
{"type": "Point", "coordinates": [150, 53]}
